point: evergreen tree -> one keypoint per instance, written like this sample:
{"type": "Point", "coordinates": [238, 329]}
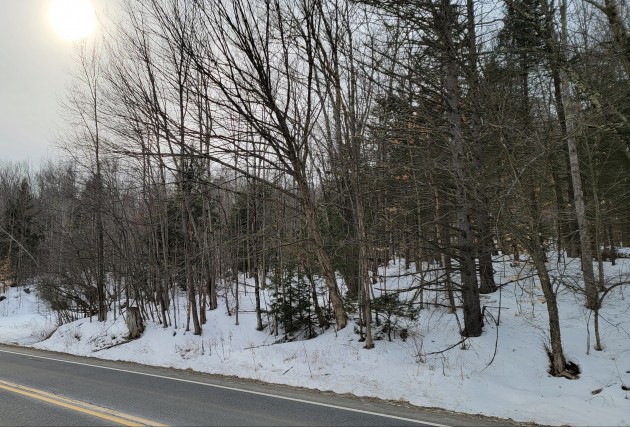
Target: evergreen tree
{"type": "Point", "coordinates": [20, 222]}
{"type": "Point", "coordinates": [291, 309]}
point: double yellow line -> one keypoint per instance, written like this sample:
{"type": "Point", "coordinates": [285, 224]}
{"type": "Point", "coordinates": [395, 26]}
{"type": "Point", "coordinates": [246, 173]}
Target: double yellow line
{"type": "Point", "coordinates": [75, 405]}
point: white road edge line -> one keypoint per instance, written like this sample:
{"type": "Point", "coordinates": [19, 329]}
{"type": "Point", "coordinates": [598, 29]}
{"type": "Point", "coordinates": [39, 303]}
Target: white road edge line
{"type": "Point", "coordinates": [293, 399]}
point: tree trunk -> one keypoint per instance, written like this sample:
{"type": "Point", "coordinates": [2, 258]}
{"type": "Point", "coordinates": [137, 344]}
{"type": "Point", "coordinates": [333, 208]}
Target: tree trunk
{"type": "Point", "coordinates": [473, 320]}
{"type": "Point", "coordinates": [328, 273]}
{"type": "Point", "coordinates": [585, 235]}
{"type": "Point", "coordinates": [363, 267]}
{"type": "Point", "coordinates": [259, 324]}
{"type": "Point", "coordinates": [321, 319]}
{"type": "Point", "coordinates": [100, 257]}
{"type": "Point", "coordinates": [443, 237]}
{"type": "Point", "coordinates": [135, 324]}
{"type": "Point", "coordinates": [190, 280]}
{"type": "Point", "coordinates": [485, 242]}
{"type": "Point", "coordinates": [598, 340]}
{"type": "Point", "coordinates": [531, 242]}
{"type": "Point", "coordinates": [487, 284]}
{"type": "Point", "coordinates": [566, 118]}
{"type": "Point", "coordinates": [558, 361]}
{"type": "Point", "coordinates": [611, 244]}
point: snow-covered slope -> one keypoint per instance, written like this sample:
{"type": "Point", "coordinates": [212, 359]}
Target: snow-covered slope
{"type": "Point", "coordinates": [515, 385]}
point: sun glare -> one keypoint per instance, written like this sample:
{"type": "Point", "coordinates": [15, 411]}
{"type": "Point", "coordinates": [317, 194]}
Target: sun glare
{"type": "Point", "coordinates": [72, 19]}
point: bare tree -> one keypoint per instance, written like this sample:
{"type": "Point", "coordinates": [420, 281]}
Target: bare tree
{"type": "Point", "coordinates": [83, 110]}
{"type": "Point", "coordinates": [262, 69]}
{"type": "Point", "coordinates": [344, 85]}
{"type": "Point", "coordinates": [568, 126]}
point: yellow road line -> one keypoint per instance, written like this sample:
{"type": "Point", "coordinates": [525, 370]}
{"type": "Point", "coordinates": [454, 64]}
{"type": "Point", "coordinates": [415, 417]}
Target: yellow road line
{"type": "Point", "coordinates": [86, 408]}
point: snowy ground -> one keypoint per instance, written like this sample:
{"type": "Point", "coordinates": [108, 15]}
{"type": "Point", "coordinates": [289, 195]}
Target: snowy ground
{"type": "Point", "coordinates": [515, 385]}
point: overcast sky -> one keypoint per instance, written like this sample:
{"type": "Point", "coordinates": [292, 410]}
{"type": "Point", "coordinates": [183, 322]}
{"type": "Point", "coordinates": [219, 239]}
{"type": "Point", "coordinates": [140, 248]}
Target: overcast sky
{"type": "Point", "coordinates": [33, 65]}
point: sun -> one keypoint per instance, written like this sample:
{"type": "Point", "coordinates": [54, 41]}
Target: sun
{"type": "Point", "coordinates": [72, 19]}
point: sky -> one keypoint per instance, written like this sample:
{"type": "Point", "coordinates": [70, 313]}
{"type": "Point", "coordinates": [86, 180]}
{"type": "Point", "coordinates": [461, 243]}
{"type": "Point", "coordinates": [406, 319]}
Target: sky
{"type": "Point", "coordinates": [33, 66]}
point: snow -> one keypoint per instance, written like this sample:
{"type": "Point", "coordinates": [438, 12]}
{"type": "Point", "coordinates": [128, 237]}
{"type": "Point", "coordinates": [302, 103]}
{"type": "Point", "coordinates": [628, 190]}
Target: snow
{"type": "Point", "coordinates": [515, 385]}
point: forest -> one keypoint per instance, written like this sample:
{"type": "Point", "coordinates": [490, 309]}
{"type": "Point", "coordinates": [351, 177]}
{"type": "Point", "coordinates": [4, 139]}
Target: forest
{"type": "Point", "coordinates": [306, 143]}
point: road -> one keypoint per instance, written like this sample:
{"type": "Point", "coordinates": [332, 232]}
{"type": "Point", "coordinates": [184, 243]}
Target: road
{"type": "Point", "coordinates": [44, 388]}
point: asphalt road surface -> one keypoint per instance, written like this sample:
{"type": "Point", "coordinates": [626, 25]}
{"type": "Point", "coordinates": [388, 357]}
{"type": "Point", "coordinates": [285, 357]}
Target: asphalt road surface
{"type": "Point", "coordinates": [39, 388]}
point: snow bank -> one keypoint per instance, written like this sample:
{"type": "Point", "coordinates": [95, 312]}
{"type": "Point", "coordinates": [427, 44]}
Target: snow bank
{"type": "Point", "coordinates": [515, 385]}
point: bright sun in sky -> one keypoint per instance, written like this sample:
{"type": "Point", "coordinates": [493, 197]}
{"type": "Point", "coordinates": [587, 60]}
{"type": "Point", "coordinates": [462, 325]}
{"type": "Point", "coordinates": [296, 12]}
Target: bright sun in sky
{"type": "Point", "coordinates": [72, 19]}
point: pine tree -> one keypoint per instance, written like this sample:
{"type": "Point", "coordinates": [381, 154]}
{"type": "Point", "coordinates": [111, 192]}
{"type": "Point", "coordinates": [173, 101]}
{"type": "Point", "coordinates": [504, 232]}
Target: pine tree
{"type": "Point", "coordinates": [20, 222]}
